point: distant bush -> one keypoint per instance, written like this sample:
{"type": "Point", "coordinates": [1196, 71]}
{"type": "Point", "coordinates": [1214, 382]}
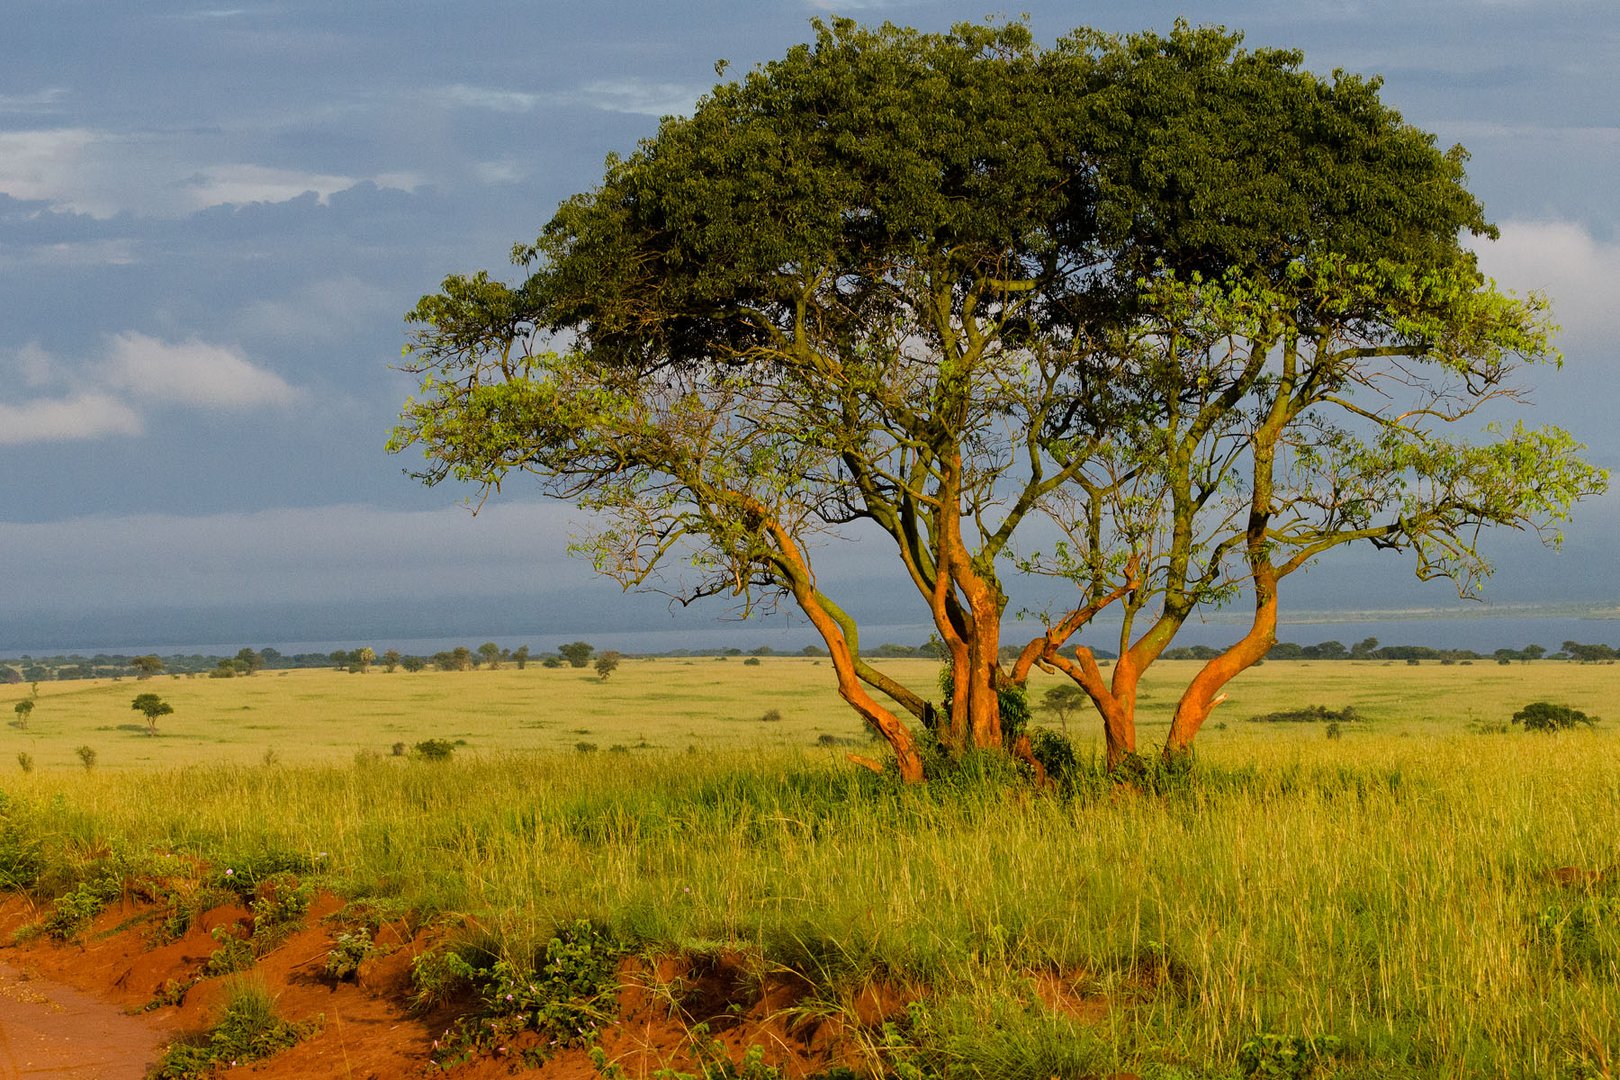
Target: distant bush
{"type": "Point", "coordinates": [87, 756]}
{"type": "Point", "coordinates": [771, 716]}
{"type": "Point", "coordinates": [1335, 730]}
{"type": "Point", "coordinates": [585, 747]}
{"type": "Point", "coordinates": [1308, 714]}
{"type": "Point", "coordinates": [434, 749]}
{"type": "Point", "coordinates": [752, 661]}
{"type": "Point", "coordinates": [25, 761]}
{"type": "Point", "coordinates": [1545, 716]}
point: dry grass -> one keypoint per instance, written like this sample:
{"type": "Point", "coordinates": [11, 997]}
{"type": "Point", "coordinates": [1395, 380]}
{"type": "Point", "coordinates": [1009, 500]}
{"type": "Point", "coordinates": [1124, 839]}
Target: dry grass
{"type": "Point", "coordinates": [317, 716]}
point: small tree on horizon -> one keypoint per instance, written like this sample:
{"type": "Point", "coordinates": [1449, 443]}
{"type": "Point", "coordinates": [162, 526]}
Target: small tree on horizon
{"type": "Point", "coordinates": [607, 664]}
{"type": "Point", "coordinates": [151, 706]}
{"type": "Point", "coordinates": [391, 660]}
{"type": "Point", "coordinates": [147, 666]}
{"type": "Point", "coordinates": [520, 656]}
{"type": "Point", "coordinates": [22, 709]}
{"type": "Point", "coordinates": [490, 653]}
{"type": "Point", "coordinates": [577, 653]}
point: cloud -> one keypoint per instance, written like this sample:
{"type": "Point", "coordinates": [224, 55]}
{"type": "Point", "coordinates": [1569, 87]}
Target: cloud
{"type": "Point", "coordinates": [192, 373]}
{"type": "Point", "coordinates": [639, 97]}
{"type": "Point", "coordinates": [81, 416]}
{"type": "Point", "coordinates": [479, 97]}
{"type": "Point", "coordinates": [241, 184]}
{"type": "Point", "coordinates": [41, 166]}
{"type": "Point", "coordinates": [109, 395]}
{"type": "Point", "coordinates": [40, 101]}
{"type": "Point", "coordinates": [102, 174]}
{"type": "Point", "coordinates": [1577, 271]}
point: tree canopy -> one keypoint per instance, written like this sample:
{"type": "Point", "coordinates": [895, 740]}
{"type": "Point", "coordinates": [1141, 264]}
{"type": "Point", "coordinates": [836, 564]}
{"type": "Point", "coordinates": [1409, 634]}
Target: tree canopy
{"type": "Point", "coordinates": [1156, 316]}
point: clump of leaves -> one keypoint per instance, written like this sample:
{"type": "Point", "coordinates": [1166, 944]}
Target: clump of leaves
{"type": "Point", "coordinates": [434, 749]}
{"type": "Point", "coordinates": [248, 1030]}
{"type": "Point", "coordinates": [233, 954]}
{"type": "Point", "coordinates": [1287, 1057]}
{"type": "Point", "coordinates": [566, 996]}
{"type": "Point", "coordinates": [1308, 714]}
{"type": "Point", "coordinates": [1582, 933]}
{"type": "Point", "coordinates": [1545, 716]}
{"type": "Point", "coordinates": [76, 907]}
{"type": "Point", "coordinates": [351, 949]}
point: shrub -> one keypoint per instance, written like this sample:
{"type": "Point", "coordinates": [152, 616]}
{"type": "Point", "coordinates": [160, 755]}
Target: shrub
{"type": "Point", "coordinates": [585, 747]}
{"type": "Point", "coordinates": [752, 661]}
{"type": "Point", "coordinates": [87, 757]}
{"type": "Point", "coordinates": [25, 761]}
{"type": "Point", "coordinates": [1286, 1057]}
{"type": "Point", "coordinates": [1335, 730]}
{"type": "Point", "coordinates": [248, 1030]}
{"type": "Point", "coordinates": [434, 749]}
{"type": "Point", "coordinates": [1307, 714]}
{"type": "Point", "coordinates": [771, 716]}
{"type": "Point", "coordinates": [1545, 716]}
{"type": "Point", "coordinates": [352, 948]}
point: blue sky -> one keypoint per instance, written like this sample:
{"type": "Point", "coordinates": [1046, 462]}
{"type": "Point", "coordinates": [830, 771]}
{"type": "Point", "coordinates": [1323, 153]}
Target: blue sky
{"type": "Point", "coordinates": [212, 219]}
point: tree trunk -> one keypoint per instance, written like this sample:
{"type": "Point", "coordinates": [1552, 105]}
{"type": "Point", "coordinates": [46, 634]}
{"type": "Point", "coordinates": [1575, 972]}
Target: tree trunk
{"type": "Point", "coordinates": [850, 687]}
{"type": "Point", "coordinates": [1201, 694]}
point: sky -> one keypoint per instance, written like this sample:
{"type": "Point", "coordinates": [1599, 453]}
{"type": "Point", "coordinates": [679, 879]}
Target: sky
{"type": "Point", "coordinates": [213, 218]}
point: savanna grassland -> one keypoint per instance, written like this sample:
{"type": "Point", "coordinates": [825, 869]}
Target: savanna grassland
{"type": "Point", "coordinates": [1428, 895]}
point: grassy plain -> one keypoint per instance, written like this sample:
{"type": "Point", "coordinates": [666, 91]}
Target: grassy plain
{"type": "Point", "coordinates": [1420, 898]}
{"type": "Point", "coordinates": [320, 716]}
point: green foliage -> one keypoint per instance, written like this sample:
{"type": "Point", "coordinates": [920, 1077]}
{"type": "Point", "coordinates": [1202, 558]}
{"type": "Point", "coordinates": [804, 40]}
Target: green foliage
{"type": "Point", "coordinates": [1117, 254]}
{"type": "Point", "coordinates": [22, 853]}
{"type": "Point", "coordinates": [232, 953]}
{"type": "Point", "coordinates": [86, 756]}
{"type": "Point", "coordinates": [151, 706]}
{"type": "Point", "coordinates": [1545, 716]}
{"type": "Point", "coordinates": [577, 653]}
{"type": "Point", "coordinates": [434, 749]}
{"type": "Point", "coordinates": [607, 663]}
{"type": "Point", "coordinates": [1308, 714]}
{"type": "Point", "coordinates": [75, 908]}
{"type": "Point", "coordinates": [1269, 1056]}
{"type": "Point", "coordinates": [351, 948]}
{"type": "Point", "coordinates": [564, 995]}
{"type": "Point", "coordinates": [279, 907]}
{"type": "Point", "coordinates": [248, 1030]}
{"type": "Point", "coordinates": [1056, 754]}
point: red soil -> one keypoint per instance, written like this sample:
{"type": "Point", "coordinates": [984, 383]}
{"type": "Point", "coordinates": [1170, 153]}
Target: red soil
{"type": "Point", "coordinates": [90, 1004]}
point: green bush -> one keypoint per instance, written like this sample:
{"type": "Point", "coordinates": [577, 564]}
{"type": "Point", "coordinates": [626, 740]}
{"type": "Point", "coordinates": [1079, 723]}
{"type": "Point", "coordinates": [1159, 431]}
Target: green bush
{"type": "Point", "coordinates": [1545, 716]}
{"type": "Point", "coordinates": [434, 749]}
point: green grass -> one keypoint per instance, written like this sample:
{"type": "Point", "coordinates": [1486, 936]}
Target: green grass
{"type": "Point", "coordinates": [1392, 890]}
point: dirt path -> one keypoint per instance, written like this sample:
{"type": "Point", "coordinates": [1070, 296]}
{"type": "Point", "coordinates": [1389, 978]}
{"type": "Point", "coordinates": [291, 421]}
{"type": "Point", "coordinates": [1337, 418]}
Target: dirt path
{"type": "Point", "coordinates": [48, 1029]}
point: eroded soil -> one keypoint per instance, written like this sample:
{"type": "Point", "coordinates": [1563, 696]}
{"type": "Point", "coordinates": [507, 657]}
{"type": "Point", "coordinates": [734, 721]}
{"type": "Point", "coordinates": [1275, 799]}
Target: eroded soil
{"type": "Point", "coordinates": [104, 1006]}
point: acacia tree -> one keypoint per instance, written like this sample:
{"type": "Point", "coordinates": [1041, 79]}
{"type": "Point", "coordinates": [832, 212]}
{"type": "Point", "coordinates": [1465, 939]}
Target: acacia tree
{"type": "Point", "coordinates": [947, 285]}
{"type": "Point", "coordinates": [151, 706]}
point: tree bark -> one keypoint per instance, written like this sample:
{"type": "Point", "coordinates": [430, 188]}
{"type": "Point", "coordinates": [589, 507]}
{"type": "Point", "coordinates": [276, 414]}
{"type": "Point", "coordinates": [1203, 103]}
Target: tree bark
{"type": "Point", "coordinates": [1200, 696]}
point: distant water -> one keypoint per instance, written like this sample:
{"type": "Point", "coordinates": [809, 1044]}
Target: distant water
{"type": "Point", "coordinates": [1481, 634]}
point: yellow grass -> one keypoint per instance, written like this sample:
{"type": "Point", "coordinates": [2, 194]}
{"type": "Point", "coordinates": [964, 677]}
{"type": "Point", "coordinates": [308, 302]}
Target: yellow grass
{"type": "Point", "coordinates": [319, 716]}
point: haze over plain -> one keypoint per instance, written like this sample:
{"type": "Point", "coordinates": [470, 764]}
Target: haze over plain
{"type": "Point", "coordinates": [212, 220]}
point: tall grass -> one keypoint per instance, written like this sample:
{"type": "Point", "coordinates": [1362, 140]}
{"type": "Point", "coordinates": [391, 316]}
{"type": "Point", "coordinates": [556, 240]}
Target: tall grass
{"type": "Point", "coordinates": [1396, 893]}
